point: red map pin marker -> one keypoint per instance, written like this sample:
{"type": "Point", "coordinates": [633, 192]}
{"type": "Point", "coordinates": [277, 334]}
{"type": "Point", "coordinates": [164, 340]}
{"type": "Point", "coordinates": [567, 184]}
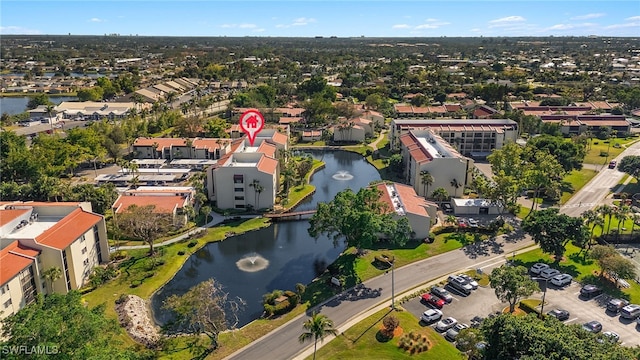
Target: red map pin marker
{"type": "Point", "coordinates": [251, 122]}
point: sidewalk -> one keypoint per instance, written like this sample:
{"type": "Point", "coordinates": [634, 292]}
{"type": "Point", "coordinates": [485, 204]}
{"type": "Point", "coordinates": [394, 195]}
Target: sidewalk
{"type": "Point", "coordinates": [216, 219]}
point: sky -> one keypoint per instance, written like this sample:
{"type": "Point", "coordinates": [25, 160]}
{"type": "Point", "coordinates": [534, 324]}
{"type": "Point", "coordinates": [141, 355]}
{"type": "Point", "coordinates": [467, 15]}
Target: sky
{"type": "Point", "coordinates": [302, 18]}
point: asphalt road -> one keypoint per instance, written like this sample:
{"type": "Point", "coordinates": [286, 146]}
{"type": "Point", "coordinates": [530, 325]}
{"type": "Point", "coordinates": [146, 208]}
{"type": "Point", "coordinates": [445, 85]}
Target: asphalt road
{"type": "Point", "coordinates": [282, 343]}
{"type": "Point", "coordinates": [594, 192]}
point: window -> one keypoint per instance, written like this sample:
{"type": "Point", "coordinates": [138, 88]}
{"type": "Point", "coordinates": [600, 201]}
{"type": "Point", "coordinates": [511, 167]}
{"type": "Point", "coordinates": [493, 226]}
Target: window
{"type": "Point", "coordinates": [86, 262]}
{"type": "Point", "coordinates": [82, 238]}
{"type": "Point", "coordinates": [239, 197]}
{"type": "Point", "coordinates": [84, 250]}
{"type": "Point", "coordinates": [7, 303]}
{"type": "Point", "coordinates": [238, 189]}
{"type": "Point", "coordinates": [5, 289]}
{"type": "Point", "coordinates": [238, 179]}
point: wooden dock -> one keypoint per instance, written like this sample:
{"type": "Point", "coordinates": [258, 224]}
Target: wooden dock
{"type": "Point", "coordinates": [288, 216]}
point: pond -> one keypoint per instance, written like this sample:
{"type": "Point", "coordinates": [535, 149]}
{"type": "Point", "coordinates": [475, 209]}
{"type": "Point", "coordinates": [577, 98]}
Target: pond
{"type": "Point", "coordinates": [277, 257]}
{"type": "Point", "coordinates": [16, 105]}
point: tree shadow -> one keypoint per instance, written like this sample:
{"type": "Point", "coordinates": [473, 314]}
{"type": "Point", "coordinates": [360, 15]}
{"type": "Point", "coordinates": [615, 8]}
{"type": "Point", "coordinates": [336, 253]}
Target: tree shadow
{"type": "Point", "coordinates": [483, 248]}
{"type": "Point", "coordinates": [371, 326]}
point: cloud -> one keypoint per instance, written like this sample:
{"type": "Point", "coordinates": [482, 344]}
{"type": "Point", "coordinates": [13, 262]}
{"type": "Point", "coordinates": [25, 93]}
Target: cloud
{"type": "Point", "coordinates": [240, 26]}
{"type": "Point", "coordinates": [633, 18]}
{"type": "Point", "coordinates": [18, 30]}
{"type": "Point", "coordinates": [429, 24]}
{"type": "Point", "coordinates": [96, 20]}
{"type": "Point", "coordinates": [401, 26]}
{"type": "Point", "coordinates": [622, 26]}
{"type": "Point", "coordinates": [303, 21]}
{"type": "Point", "coordinates": [563, 27]}
{"type": "Point", "coordinates": [506, 21]}
{"type": "Point", "coordinates": [588, 16]}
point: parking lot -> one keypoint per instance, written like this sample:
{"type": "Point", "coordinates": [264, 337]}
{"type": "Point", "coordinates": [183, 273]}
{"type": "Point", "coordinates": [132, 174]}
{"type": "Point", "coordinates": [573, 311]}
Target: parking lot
{"type": "Point", "coordinates": [483, 302]}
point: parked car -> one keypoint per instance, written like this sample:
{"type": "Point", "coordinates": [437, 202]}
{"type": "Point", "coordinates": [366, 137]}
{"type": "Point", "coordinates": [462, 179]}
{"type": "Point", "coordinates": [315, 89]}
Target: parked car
{"type": "Point", "coordinates": [471, 281]}
{"type": "Point", "coordinates": [446, 207]}
{"type": "Point", "coordinates": [537, 268]}
{"type": "Point", "coordinates": [431, 315]}
{"type": "Point", "coordinates": [476, 321]}
{"type": "Point", "coordinates": [442, 294]}
{"type": "Point", "coordinates": [452, 333]}
{"type": "Point", "coordinates": [559, 314]}
{"type": "Point", "coordinates": [609, 336]}
{"type": "Point", "coordinates": [561, 280]}
{"type": "Point", "coordinates": [631, 311]}
{"type": "Point", "coordinates": [433, 300]}
{"type": "Point", "coordinates": [460, 284]}
{"type": "Point", "coordinates": [590, 291]}
{"type": "Point", "coordinates": [473, 222]}
{"type": "Point", "coordinates": [549, 273]}
{"type": "Point", "coordinates": [446, 324]}
{"type": "Point", "coordinates": [592, 326]}
{"type": "Point", "coordinates": [615, 305]}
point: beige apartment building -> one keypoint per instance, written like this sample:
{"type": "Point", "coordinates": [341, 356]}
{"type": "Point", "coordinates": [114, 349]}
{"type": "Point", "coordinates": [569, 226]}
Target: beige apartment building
{"type": "Point", "coordinates": [422, 150]}
{"type": "Point", "coordinates": [403, 201]}
{"type": "Point", "coordinates": [471, 137]}
{"type": "Point", "coordinates": [36, 236]}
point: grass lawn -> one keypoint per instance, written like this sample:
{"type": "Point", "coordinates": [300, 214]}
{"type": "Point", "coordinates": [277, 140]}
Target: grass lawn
{"type": "Point", "coordinates": [576, 180]}
{"type": "Point", "coordinates": [363, 341]}
{"type": "Point", "coordinates": [300, 192]}
{"type": "Point", "coordinates": [582, 270]}
{"type": "Point", "coordinates": [593, 153]}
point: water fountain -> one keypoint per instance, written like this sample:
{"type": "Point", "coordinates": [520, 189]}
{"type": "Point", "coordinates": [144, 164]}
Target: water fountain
{"type": "Point", "coordinates": [342, 175]}
{"type": "Point", "coordinates": [252, 262]}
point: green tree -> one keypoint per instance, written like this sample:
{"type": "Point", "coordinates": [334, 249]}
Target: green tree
{"type": "Point", "coordinates": [360, 218]}
{"type": "Point", "coordinates": [52, 275]}
{"type": "Point", "coordinates": [257, 189]}
{"type": "Point", "coordinates": [204, 309]}
{"type": "Point", "coordinates": [317, 327]}
{"type": "Point", "coordinates": [396, 163]}
{"type": "Point", "coordinates": [544, 172]}
{"type": "Point", "coordinates": [552, 231]}
{"type": "Point", "coordinates": [606, 211]}
{"type": "Point", "coordinates": [528, 337]}
{"type": "Point", "coordinates": [467, 341]}
{"type": "Point", "coordinates": [591, 217]}
{"type": "Point", "coordinates": [568, 153]}
{"type": "Point", "coordinates": [426, 179]}
{"type": "Point", "coordinates": [63, 323]}
{"type": "Point", "coordinates": [143, 223]}
{"type": "Point", "coordinates": [612, 263]}
{"type": "Point", "coordinates": [630, 164]}
{"type": "Point", "coordinates": [40, 99]}
{"type": "Point", "coordinates": [511, 284]}
{"type": "Point", "coordinates": [440, 195]}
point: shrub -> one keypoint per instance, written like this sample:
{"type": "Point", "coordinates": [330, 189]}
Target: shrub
{"type": "Point", "coordinates": [527, 308]}
{"type": "Point", "coordinates": [192, 244]}
{"type": "Point", "coordinates": [604, 154]}
{"type": "Point", "coordinates": [390, 324]}
{"type": "Point", "coordinates": [414, 342]}
{"type": "Point", "coordinates": [122, 298]}
{"type": "Point", "coordinates": [119, 255]}
{"type": "Point", "coordinates": [181, 252]}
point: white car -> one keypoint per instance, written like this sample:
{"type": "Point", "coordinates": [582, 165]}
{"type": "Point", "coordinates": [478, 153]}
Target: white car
{"type": "Point", "coordinates": [469, 280]}
{"type": "Point", "coordinates": [431, 315]}
{"type": "Point", "coordinates": [473, 222]}
{"type": "Point", "coordinates": [446, 324]}
{"type": "Point", "coordinates": [561, 280]}
{"type": "Point", "coordinates": [537, 268]}
{"type": "Point", "coordinates": [549, 273]}
{"type": "Point", "coordinates": [452, 333]}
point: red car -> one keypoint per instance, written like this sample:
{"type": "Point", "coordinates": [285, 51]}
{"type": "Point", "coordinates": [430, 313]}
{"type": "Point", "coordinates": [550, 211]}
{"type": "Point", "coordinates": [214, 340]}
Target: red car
{"type": "Point", "coordinates": [433, 300]}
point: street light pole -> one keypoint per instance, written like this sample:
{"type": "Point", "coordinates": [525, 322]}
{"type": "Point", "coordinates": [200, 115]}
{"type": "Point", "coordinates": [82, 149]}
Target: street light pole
{"type": "Point", "coordinates": [544, 293]}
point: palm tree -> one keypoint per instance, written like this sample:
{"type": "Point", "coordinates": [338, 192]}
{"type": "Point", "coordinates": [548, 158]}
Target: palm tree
{"type": "Point", "coordinates": [52, 274]}
{"type": "Point", "coordinates": [440, 195]}
{"type": "Point", "coordinates": [426, 179]}
{"type": "Point", "coordinates": [257, 188]}
{"type": "Point", "coordinates": [606, 211]}
{"type": "Point", "coordinates": [317, 327]}
{"type": "Point", "coordinates": [451, 219]}
{"type": "Point", "coordinates": [622, 214]}
{"type": "Point", "coordinates": [50, 108]}
{"type": "Point", "coordinates": [593, 218]}
{"type": "Point", "coordinates": [456, 186]}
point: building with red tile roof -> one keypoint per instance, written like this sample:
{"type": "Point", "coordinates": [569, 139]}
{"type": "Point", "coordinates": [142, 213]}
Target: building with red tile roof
{"type": "Point", "coordinates": [423, 151]}
{"type": "Point", "coordinates": [35, 236]}
{"type": "Point", "coordinates": [181, 148]}
{"type": "Point", "coordinates": [471, 137]}
{"type": "Point", "coordinates": [403, 201]}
